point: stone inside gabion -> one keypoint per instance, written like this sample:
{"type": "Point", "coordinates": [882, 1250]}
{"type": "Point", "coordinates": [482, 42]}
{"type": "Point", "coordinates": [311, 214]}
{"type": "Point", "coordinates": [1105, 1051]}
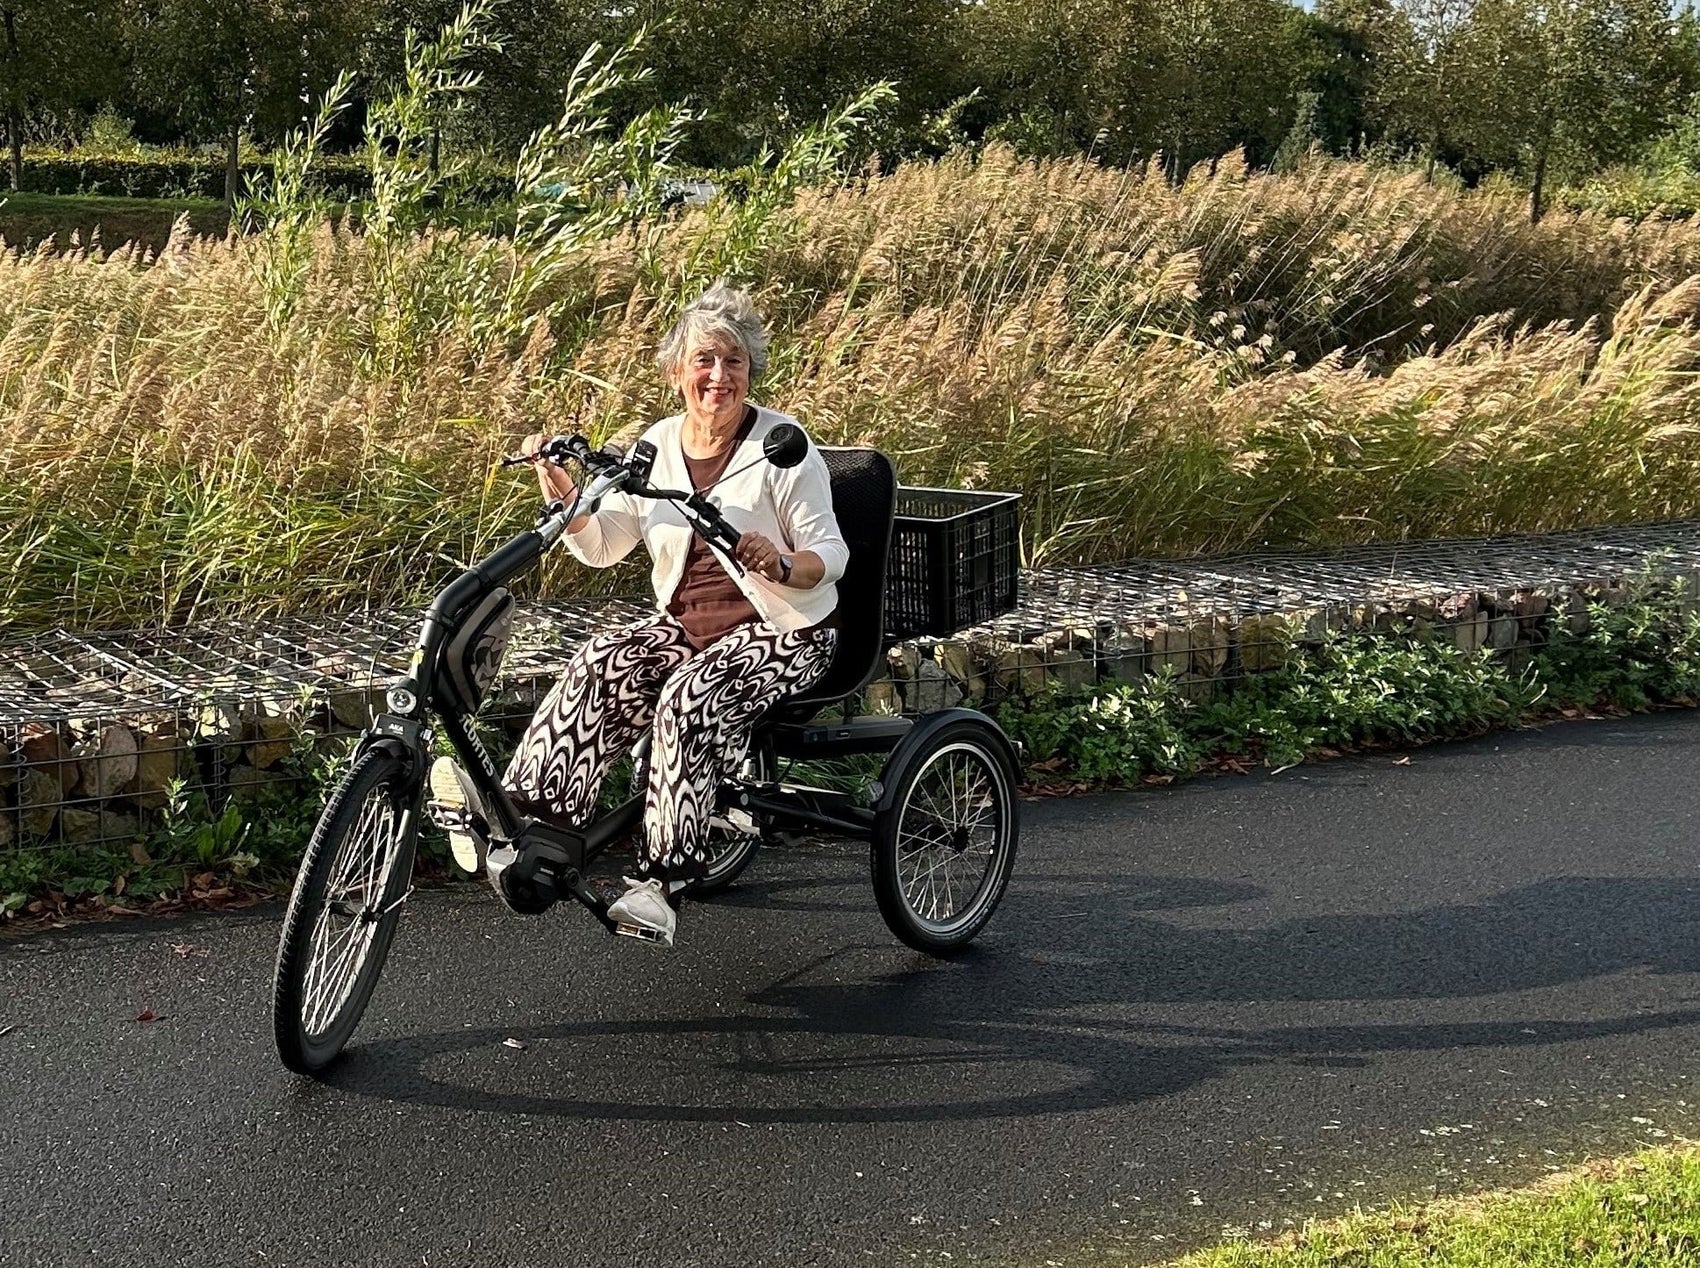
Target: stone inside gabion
{"type": "Point", "coordinates": [95, 728]}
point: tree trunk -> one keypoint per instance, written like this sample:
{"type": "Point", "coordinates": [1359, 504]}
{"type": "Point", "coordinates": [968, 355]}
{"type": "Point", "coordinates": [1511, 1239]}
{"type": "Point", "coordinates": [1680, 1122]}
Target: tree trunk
{"type": "Point", "coordinates": [233, 168]}
{"type": "Point", "coordinates": [15, 138]}
{"type": "Point", "coordinates": [1543, 148]}
{"type": "Point", "coordinates": [1535, 188]}
{"type": "Point", "coordinates": [436, 153]}
{"type": "Point", "coordinates": [14, 111]}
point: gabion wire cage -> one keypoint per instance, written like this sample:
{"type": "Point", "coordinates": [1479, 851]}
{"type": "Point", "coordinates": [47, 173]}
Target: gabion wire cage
{"type": "Point", "coordinates": [95, 727]}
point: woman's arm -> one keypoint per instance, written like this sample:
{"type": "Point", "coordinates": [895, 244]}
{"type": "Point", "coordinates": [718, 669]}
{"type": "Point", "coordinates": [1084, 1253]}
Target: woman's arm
{"type": "Point", "coordinates": [803, 500]}
{"type": "Point", "coordinates": [765, 558]}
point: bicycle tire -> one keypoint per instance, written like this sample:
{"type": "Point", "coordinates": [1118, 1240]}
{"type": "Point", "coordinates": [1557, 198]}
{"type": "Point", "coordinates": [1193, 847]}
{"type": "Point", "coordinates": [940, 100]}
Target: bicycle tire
{"type": "Point", "coordinates": [952, 809]}
{"type": "Point", "coordinates": [324, 977]}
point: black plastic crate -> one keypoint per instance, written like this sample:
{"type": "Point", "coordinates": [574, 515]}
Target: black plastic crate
{"type": "Point", "coordinates": [954, 558]}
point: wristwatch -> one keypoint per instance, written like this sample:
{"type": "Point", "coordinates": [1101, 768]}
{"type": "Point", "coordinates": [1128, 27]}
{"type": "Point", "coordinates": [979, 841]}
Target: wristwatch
{"type": "Point", "coordinates": [784, 569]}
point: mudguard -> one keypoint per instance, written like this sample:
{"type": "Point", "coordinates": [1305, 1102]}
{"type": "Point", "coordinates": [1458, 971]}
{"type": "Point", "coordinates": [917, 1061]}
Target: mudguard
{"type": "Point", "coordinates": [921, 738]}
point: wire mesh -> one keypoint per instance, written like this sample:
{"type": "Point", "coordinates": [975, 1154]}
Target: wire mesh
{"type": "Point", "coordinates": [95, 727]}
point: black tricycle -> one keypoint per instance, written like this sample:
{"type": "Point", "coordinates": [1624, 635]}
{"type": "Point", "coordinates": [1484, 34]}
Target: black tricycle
{"type": "Point", "coordinates": [942, 817]}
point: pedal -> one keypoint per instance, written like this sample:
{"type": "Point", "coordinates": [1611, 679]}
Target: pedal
{"type": "Point", "coordinates": [643, 934]}
{"type": "Point", "coordinates": [734, 822]}
{"type": "Point", "coordinates": [448, 816]}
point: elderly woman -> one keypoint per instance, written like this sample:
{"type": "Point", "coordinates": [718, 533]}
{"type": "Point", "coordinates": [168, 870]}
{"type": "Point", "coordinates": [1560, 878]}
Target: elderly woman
{"type": "Point", "coordinates": [720, 647]}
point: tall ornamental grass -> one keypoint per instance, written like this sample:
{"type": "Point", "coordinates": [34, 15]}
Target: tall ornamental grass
{"type": "Point", "coordinates": [307, 417]}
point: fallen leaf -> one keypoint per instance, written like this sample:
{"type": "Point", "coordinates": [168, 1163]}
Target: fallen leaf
{"type": "Point", "coordinates": [139, 853]}
{"type": "Point", "coordinates": [186, 949]}
{"type": "Point", "coordinates": [1401, 761]}
{"type": "Point", "coordinates": [147, 1014]}
{"type": "Point", "coordinates": [6, 1030]}
{"type": "Point", "coordinates": [512, 1043]}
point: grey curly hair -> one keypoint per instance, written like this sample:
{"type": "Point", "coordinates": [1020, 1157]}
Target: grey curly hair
{"type": "Point", "coordinates": [723, 311]}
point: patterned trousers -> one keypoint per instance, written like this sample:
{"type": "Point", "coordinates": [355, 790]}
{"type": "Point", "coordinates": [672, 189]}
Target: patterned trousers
{"type": "Point", "coordinates": [699, 708]}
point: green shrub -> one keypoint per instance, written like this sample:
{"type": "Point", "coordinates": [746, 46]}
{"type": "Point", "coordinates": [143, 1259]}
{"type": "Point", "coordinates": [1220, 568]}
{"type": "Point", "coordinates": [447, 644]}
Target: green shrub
{"type": "Point", "coordinates": [342, 178]}
{"type": "Point", "coordinates": [1364, 689]}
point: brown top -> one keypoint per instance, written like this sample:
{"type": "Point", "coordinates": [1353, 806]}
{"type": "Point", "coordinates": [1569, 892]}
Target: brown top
{"type": "Point", "coordinates": [707, 601]}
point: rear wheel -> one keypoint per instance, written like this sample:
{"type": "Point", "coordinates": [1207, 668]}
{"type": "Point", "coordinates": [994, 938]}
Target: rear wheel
{"type": "Point", "coordinates": [945, 837]}
{"type": "Point", "coordinates": [343, 911]}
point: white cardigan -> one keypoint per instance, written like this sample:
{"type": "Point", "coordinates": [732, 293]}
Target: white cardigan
{"type": "Point", "coordinates": [792, 508]}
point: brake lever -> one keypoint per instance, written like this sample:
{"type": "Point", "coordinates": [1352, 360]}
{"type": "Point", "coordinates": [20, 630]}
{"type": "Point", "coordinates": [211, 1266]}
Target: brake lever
{"type": "Point", "coordinates": [721, 535]}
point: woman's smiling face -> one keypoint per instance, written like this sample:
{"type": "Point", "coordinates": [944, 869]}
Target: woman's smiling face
{"type": "Point", "coordinates": [714, 380]}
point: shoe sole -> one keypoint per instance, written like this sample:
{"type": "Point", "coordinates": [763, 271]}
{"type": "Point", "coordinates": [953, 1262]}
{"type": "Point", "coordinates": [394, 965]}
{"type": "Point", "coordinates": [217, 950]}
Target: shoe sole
{"type": "Point", "coordinates": [467, 851]}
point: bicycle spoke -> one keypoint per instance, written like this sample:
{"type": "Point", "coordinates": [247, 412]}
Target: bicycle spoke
{"type": "Point", "coordinates": [327, 992]}
{"type": "Point", "coordinates": [357, 879]}
{"type": "Point", "coordinates": [947, 836]}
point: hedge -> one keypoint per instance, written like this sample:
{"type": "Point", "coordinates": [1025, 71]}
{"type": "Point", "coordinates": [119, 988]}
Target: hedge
{"type": "Point", "coordinates": [344, 178]}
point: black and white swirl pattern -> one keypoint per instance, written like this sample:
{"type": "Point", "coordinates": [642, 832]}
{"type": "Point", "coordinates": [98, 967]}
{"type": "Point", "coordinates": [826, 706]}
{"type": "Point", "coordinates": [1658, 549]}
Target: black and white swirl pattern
{"type": "Point", "coordinates": [701, 709]}
{"type": "Point", "coordinates": [592, 717]}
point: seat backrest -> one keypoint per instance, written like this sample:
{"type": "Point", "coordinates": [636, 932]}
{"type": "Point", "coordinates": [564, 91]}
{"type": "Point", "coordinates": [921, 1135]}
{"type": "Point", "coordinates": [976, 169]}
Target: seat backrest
{"type": "Point", "coordinates": [864, 498]}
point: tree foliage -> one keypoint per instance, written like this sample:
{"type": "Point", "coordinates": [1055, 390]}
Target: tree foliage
{"type": "Point", "coordinates": [1549, 89]}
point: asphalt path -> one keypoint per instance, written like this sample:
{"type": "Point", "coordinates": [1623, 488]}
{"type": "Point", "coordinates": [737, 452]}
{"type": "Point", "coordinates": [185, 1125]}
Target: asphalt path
{"type": "Point", "coordinates": [1220, 1007]}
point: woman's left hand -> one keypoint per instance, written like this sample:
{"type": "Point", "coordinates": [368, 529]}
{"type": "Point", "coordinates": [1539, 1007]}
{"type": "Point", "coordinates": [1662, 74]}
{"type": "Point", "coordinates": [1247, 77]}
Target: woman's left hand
{"type": "Point", "coordinates": [759, 555]}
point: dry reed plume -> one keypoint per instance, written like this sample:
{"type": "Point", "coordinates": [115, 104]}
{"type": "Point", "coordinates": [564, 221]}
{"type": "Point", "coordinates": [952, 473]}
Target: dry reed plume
{"type": "Point", "coordinates": [1337, 355]}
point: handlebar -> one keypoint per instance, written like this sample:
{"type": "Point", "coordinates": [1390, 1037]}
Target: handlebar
{"type": "Point", "coordinates": [629, 472]}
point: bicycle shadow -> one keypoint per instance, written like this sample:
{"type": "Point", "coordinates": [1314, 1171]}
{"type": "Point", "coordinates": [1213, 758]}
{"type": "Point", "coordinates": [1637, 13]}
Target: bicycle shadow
{"type": "Point", "coordinates": [1034, 1023]}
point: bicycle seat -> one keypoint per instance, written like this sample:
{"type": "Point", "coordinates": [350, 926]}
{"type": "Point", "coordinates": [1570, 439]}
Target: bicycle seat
{"type": "Point", "coordinates": [864, 499]}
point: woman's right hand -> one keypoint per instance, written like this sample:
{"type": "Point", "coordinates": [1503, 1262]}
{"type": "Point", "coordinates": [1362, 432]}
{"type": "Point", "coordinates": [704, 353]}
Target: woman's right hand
{"type": "Point", "coordinates": [556, 484]}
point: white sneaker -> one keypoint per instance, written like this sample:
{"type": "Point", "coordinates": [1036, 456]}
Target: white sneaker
{"type": "Point", "coordinates": [644, 912]}
{"type": "Point", "coordinates": [459, 811]}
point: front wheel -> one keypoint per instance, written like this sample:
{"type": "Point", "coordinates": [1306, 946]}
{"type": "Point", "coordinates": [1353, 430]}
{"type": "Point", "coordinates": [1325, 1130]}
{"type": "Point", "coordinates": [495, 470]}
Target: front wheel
{"type": "Point", "coordinates": [735, 835]}
{"type": "Point", "coordinates": [343, 910]}
{"type": "Point", "coordinates": [945, 834]}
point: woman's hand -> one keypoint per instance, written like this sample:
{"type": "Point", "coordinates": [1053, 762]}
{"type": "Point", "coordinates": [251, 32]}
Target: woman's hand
{"type": "Point", "coordinates": [759, 555]}
{"type": "Point", "coordinates": [556, 484]}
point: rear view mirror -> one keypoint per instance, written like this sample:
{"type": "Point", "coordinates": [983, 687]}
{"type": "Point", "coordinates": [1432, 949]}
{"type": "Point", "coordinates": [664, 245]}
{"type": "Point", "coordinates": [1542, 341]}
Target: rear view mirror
{"type": "Point", "coordinates": [786, 445]}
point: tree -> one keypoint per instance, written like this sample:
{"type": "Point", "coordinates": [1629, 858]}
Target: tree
{"type": "Point", "coordinates": [1428, 86]}
{"type": "Point", "coordinates": [1572, 83]}
{"type": "Point", "coordinates": [761, 68]}
{"type": "Point", "coordinates": [1334, 59]}
{"type": "Point", "coordinates": [1130, 78]}
{"type": "Point", "coordinates": [219, 66]}
{"type": "Point", "coordinates": [1223, 78]}
{"type": "Point", "coordinates": [52, 53]}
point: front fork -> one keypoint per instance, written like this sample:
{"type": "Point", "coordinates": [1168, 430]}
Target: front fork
{"type": "Point", "coordinates": [405, 738]}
